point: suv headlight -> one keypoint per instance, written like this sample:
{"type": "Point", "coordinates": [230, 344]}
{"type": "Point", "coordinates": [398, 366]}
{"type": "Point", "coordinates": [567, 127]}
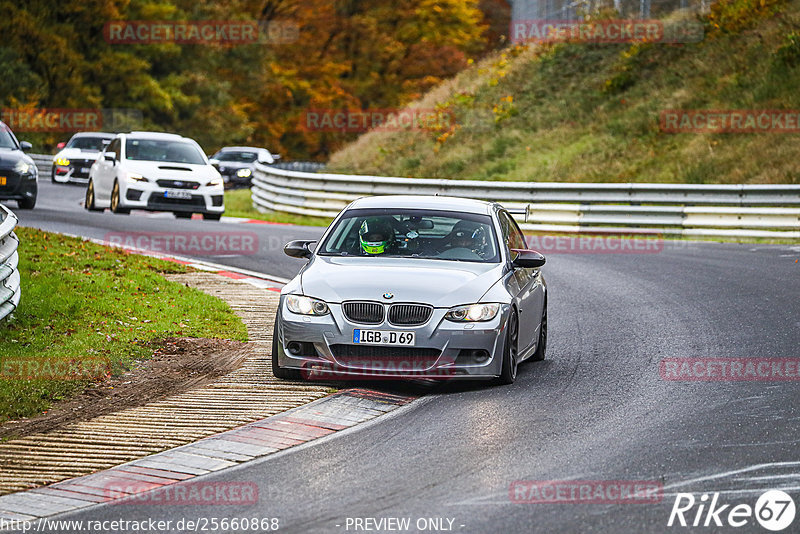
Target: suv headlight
{"type": "Point", "coordinates": [215, 182]}
{"type": "Point", "coordinates": [473, 313]}
{"type": "Point", "coordinates": [21, 167]}
{"type": "Point", "coordinates": [306, 305]}
{"type": "Point", "coordinates": [244, 173]}
{"type": "Point", "coordinates": [135, 177]}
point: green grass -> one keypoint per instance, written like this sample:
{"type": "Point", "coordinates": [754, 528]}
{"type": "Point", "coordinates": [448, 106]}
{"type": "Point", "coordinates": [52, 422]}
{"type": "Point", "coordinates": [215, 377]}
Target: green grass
{"type": "Point", "coordinates": [574, 112]}
{"type": "Point", "coordinates": [238, 203]}
{"type": "Point", "coordinates": [82, 302]}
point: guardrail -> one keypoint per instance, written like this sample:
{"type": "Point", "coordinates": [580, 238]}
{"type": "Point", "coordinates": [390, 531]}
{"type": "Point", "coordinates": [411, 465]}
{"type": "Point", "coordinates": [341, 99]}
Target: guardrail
{"type": "Point", "coordinates": [628, 208]}
{"type": "Point", "coordinates": [10, 291]}
{"type": "Point", "coordinates": [43, 162]}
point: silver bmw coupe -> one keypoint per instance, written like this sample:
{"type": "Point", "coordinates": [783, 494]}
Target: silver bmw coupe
{"type": "Point", "coordinates": [405, 287]}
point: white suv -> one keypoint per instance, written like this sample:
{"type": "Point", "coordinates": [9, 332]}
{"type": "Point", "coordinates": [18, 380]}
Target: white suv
{"type": "Point", "coordinates": [155, 172]}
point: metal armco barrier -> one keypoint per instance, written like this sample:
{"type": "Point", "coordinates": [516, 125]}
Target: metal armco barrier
{"type": "Point", "coordinates": [629, 208]}
{"type": "Point", "coordinates": [10, 291]}
{"type": "Point", "coordinates": [43, 162]}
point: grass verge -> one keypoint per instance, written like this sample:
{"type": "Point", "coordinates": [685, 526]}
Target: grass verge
{"type": "Point", "coordinates": [87, 307]}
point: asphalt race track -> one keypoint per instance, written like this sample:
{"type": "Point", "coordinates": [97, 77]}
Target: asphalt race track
{"type": "Point", "coordinates": [597, 409]}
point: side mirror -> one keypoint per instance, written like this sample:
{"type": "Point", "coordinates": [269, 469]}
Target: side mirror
{"type": "Point", "coordinates": [528, 259]}
{"type": "Point", "coordinates": [276, 157]}
{"type": "Point", "coordinates": [298, 249]}
{"type": "Point", "coordinates": [61, 145]}
{"type": "Point", "coordinates": [25, 146]}
{"type": "Point", "coordinates": [213, 162]}
{"type": "Point", "coordinates": [109, 156]}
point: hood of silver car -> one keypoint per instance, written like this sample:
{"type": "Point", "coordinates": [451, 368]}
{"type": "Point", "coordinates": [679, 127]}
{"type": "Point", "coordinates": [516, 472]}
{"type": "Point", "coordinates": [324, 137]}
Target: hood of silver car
{"type": "Point", "coordinates": [436, 282]}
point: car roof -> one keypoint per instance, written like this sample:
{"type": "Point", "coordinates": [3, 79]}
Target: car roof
{"type": "Point", "coordinates": [465, 205]}
{"type": "Point", "coordinates": [95, 134]}
{"type": "Point", "coordinates": [157, 135]}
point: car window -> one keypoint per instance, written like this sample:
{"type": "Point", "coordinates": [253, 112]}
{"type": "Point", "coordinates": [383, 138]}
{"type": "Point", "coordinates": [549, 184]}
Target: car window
{"type": "Point", "coordinates": [243, 157]}
{"type": "Point", "coordinates": [6, 138]}
{"type": "Point", "coordinates": [163, 151]}
{"type": "Point", "coordinates": [440, 235]}
{"type": "Point", "coordinates": [87, 143]}
{"type": "Point", "coordinates": [512, 235]}
{"type": "Point", "coordinates": [114, 147]}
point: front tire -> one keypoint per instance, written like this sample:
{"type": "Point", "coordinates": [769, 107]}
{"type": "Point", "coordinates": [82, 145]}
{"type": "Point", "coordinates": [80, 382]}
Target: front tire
{"type": "Point", "coordinates": [89, 203]}
{"type": "Point", "coordinates": [182, 215]}
{"type": "Point", "coordinates": [27, 203]}
{"type": "Point", "coordinates": [509, 371]}
{"type": "Point", "coordinates": [277, 370]}
{"type": "Point", "coordinates": [212, 216]}
{"type": "Point", "coordinates": [115, 201]}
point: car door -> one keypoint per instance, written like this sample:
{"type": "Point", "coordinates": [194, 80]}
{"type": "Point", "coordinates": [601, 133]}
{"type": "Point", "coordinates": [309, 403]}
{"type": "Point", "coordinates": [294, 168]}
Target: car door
{"type": "Point", "coordinates": [103, 177]}
{"type": "Point", "coordinates": [530, 298]}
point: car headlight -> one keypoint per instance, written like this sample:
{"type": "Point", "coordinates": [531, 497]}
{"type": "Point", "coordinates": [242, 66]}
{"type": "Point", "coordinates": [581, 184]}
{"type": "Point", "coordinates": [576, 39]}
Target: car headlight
{"type": "Point", "coordinates": [306, 305]}
{"type": "Point", "coordinates": [21, 167]}
{"type": "Point", "coordinates": [134, 177]}
{"type": "Point", "coordinates": [215, 182]}
{"type": "Point", "coordinates": [473, 313]}
{"type": "Point", "coordinates": [62, 162]}
{"type": "Point", "coordinates": [244, 173]}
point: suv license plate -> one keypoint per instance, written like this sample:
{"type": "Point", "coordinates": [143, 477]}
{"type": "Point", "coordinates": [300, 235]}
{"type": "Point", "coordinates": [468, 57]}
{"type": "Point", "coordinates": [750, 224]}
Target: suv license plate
{"type": "Point", "coordinates": [177, 193]}
{"type": "Point", "coordinates": [382, 337]}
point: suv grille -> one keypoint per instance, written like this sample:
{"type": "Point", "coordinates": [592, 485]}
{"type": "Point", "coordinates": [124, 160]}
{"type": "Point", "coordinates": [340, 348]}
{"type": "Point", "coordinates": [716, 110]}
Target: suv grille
{"type": "Point", "coordinates": [363, 312]}
{"type": "Point", "coordinates": [409, 314]}
{"type": "Point", "coordinates": [178, 184]}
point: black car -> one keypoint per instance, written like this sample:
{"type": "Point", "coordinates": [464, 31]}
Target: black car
{"type": "Point", "coordinates": [237, 163]}
{"type": "Point", "coordinates": [76, 157]}
{"type": "Point", "coordinates": [18, 172]}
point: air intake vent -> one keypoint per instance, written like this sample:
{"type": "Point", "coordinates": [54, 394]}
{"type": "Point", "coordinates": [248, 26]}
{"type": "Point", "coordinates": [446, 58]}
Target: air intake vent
{"type": "Point", "coordinates": [409, 314]}
{"type": "Point", "coordinates": [363, 312]}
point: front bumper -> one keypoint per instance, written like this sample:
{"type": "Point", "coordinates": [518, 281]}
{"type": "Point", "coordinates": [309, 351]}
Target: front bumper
{"type": "Point", "coordinates": [150, 196]}
{"type": "Point", "coordinates": [18, 187]}
{"type": "Point", "coordinates": [77, 172]}
{"type": "Point", "coordinates": [443, 349]}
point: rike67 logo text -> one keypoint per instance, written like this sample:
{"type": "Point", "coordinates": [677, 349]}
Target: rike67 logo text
{"type": "Point", "coordinates": [774, 510]}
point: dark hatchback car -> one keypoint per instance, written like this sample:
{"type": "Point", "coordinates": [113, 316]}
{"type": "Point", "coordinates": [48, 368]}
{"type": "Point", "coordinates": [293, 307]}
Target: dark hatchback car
{"type": "Point", "coordinates": [236, 164]}
{"type": "Point", "coordinates": [18, 172]}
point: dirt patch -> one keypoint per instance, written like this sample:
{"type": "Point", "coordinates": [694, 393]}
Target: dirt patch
{"type": "Point", "coordinates": [178, 364]}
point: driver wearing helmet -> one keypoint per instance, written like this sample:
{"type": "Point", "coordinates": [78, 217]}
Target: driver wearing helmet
{"type": "Point", "coordinates": [467, 235]}
{"type": "Point", "coordinates": [376, 236]}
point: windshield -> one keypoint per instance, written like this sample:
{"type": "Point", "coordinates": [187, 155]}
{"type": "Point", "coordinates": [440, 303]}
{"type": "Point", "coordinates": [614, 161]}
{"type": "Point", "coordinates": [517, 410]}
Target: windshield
{"type": "Point", "coordinates": [160, 150]}
{"type": "Point", "coordinates": [6, 139]}
{"type": "Point", "coordinates": [440, 235]}
{"type": "Point", "coordinates": [244, 157]}
{"type": "Point", "coordinates": [88, 143]}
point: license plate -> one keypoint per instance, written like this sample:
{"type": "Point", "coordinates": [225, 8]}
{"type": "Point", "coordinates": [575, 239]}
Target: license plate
{"type": "Point", "coordinates": [177, 193]}
{"type": "Point", "coordinates": [382, 337]}
{"type": "Point", "coordinates": [3, 180]}
{"type": "Point", "coordinates": [85, 170]}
